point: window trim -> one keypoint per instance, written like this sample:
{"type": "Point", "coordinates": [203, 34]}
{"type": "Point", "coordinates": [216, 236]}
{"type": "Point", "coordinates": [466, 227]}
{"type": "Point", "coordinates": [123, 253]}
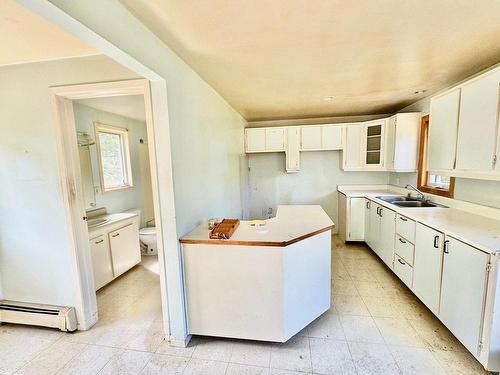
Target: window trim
{"type": "Point", "coordinates": [423, 172]}
{"type": "Point", "coordinates": [127, 167]}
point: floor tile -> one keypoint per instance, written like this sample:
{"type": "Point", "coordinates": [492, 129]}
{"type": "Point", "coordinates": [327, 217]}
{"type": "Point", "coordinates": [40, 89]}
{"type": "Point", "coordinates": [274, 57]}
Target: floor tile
{"type": "Point", "coordinates": [350, 305]}
{"type": "Point", "coordinates": [213, 349]}
{"type": "Point", "coordinates": [162, 364]}
{"type": "Point", "coordinates": [327, 326]}
{"type": "Point", "coordinates": [205, 367]}
{"type": "Point", "coordinates": [293, 355]}
{"type": "Point", "coordinates": [166, 348]}
{"type": "Point", "coordinates": [361, 329]}
{"type": "Point", "coordinates": [435, 334]}
{"type": "Point", "coordinates": [416, 361]}
{"type": "Point", "coordinates": [251, 353]}
{"type": "Point", "coordinates": [373, 359]}
{"type": "Point", "coordinates": [383, 307]}
{"type": "Point", "coordinates": [90, 361]}
{"type": "Point", "coordinates": [127, 362]}
{"type": "Point", "coordinates": [331, 357]}
{"type": "Point", "coordinates": [236, 369]}
{"type": "Point", "coordinates": [459, 363]}
{"type": "Point", "coordinates": [345, 287]}
{"type": "Point", "coordinates": [398, 331]}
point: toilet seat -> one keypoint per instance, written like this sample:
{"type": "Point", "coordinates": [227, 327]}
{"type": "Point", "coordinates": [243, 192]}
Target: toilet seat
{"type": "Point", "coordinates": [147, 231]}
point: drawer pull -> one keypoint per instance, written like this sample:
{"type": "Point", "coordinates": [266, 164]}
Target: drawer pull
{"type": "Point", "coordinates": [403, 218]}
{"type": "Point", "coordinates": [115, 235]}
{"type": "Point", "coordinates": [446, 249]}
{"type": "Point", "coordinates": [400, 261]}
{"type": "Point", "coordinates": [401, 240]}
{"type": "Point", "coordinates": [436, 242]}
{"type": "Point", "coordinates": [97, 242]}
{"type": "Point", "coordinates": [368, 204]}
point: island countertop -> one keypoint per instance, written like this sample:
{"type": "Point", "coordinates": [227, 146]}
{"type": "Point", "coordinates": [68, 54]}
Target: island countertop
{"type": "Point", "coordinates": [292, 223]}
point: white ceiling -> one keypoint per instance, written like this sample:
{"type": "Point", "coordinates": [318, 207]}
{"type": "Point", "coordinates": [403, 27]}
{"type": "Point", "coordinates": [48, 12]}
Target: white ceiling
{"type": "Point", "coordinates": [280, 58]}
{"type": "Point", "coordinates": [26, 37]}
{"type": "Point", "coordinates": [131, 106]}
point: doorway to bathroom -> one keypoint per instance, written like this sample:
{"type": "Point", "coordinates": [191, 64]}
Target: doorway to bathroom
{"type": "Point", "coordinates": [107, 140]}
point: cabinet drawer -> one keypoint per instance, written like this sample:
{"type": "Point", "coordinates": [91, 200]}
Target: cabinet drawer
{"type": "Point", "coordinates": [403, 270]}
{"type": "Point", "coordinates": [405, 249]}
{"type": "Point", "coordinates": [405, 228]}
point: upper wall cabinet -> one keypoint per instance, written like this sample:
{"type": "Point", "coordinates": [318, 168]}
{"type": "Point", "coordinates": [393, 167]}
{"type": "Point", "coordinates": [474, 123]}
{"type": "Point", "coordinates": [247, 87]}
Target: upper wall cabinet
{"type": "Point", "coordinates": [464, 129]}
{"type": "Point", "coordinates": [478, 124]}
{"type": "Point", "coordinates": [443, 130]}
{"type": "Point", "coordinates": [402, 132]}
{"type": "Point", "coordinates": [265, 139]}
{"type": "Point", "coordinates": [321, 137]}
{"type": "Point", "coordinates": [363, 144]}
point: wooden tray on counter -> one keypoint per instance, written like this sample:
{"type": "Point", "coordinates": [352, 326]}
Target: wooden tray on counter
{"type": "Point", "coordinates": [225, 229]}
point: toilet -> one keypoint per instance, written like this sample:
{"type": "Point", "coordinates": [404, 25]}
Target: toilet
{"type": "Point", "coordinates": [147, 236]}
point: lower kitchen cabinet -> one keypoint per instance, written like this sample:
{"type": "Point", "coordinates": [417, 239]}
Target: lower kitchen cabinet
{"type": "Point", "coordinates": [368, 207]}
{"type": "Point", "coordinates": [124, 243]}
{"type": "Point", "coordinates": [351, 218]}
{"type": "Point", "coordinates": [465, 272]}
{"type": "Point", "coordinates": [386, 235]}
{"type": "Point", "coordinates": [427, 266]}
{"type": "Point", "coordinates": [101, 261]}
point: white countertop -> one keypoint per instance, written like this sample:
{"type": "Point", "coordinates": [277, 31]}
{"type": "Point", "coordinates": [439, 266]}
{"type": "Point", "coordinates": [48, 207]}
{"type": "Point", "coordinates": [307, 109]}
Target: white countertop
{"type": "Point", "coordinates": [111, 219]}
{"type": "Point", "coordinates": [475, 230]}
{"type": "Point", "coordinates": [291, 224]}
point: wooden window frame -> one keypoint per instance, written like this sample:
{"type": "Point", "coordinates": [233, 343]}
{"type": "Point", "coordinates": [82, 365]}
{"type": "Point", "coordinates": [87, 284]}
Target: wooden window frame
{"type": "Point", "coordinates": [423, 172]}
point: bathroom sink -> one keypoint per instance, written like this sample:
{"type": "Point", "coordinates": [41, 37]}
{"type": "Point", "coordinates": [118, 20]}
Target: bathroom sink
{"type": "Point", "coordinates": [97, 221]}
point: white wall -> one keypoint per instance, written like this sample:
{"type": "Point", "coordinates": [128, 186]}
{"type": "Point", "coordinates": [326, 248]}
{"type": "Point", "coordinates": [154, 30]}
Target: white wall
{"type": "Point", "coordinates": [470, 190]}
{"type": "Point", "coordinates": [35, 257]}
{"type": "Point", "coordinates": [316, 183]}
{"type": "Point", "coordinates": [140, 196]}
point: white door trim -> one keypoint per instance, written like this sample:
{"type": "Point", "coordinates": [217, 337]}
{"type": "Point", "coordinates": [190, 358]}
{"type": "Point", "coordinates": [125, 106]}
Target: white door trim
{"type": "Point", "coordinates": [71, 187]}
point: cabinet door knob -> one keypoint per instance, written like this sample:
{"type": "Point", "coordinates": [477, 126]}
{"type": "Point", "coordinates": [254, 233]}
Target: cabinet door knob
{"type": "Point", "coordinates": [403, 218]}
{"type": "Point", "coordinates": [115, 235]}
{"type": "Point", "coordinates": [400, 261]}
{"type": "Point", "coordinates": [98, 242]}
{"type": "Point", "coordinates": [401, 240]}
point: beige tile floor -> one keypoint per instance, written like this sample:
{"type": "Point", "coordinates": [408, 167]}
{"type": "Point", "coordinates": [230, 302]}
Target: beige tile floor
{"type": "Point", "coordinates": [376, 326]}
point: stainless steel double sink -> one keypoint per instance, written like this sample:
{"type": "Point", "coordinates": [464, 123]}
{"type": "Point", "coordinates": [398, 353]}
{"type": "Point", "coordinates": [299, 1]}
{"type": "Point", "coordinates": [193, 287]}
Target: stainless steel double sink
{"type": "Point", "coordinates": [402, 201]}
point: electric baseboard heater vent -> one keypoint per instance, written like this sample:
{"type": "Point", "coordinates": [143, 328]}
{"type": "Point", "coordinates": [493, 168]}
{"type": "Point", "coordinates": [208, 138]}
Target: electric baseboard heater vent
{"type": "Point", "coordinates": [63, 318]}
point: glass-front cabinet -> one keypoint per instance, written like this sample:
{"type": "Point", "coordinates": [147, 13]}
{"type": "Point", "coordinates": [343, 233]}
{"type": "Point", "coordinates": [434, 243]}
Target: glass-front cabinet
{"type": "Point", "coordinates": [374, 144]}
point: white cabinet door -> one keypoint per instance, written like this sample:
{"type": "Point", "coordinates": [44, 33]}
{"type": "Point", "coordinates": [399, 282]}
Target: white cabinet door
{"type": "Point", "coordinates": [427, 266]}
{"type": "Point", "coordinates": [101, 261]}
{"type": "Point", "coordinates": [368, 206]}
{"type": "Point", "coordinates": [275, 139]}
{"type": "Point", "coordinates": [374, 145]}
{"type": "Point", "coordinates": [406, 141]}
{"type": "Point", "coordinates": [356, 228]}
{"type": "Point", "coordinates": [390, 145]}
{"type": "Point", "coordinates": [255, 140]}
{"type": "Point", "coordinates": [352, 155]}
{"type": "Point", "coordinates": [292, 149]}
{"type": "Point", "coordinates": [125, 248]}
{"type": "Point", "coordinates": [478, 124]}
{"type": "Point", "coordinates": [463, 292]}
{"type": "Point", "coordinates": [331, 137]}
{"type": "Point", "coordinates": [443, 128]}
{"type": "Point", "coordinates": [374, 233]}
{"type": "Point", "coordinates": [387, 235]}
{"type": "Point", "coordinates": [310, 138]}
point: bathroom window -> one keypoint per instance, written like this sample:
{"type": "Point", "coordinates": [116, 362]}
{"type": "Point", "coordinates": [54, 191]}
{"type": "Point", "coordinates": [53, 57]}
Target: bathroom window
{"type": "Point", "coordinates": [114, 157]}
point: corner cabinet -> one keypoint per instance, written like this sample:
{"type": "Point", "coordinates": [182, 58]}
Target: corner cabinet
{"type": "Point", "coordinates": [464, 129]}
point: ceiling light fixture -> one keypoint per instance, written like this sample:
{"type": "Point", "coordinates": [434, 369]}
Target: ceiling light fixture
{"type": "Point", "coordinates": [328, 98]}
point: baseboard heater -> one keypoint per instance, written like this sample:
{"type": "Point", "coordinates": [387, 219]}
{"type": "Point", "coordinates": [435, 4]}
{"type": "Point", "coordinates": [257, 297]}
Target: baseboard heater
{"type": "Point", "coordinates": [63, 318]}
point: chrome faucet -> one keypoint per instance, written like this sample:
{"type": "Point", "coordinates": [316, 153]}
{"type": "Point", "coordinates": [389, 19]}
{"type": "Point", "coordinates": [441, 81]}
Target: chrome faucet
{"type": "Point", "coordinates": [420, 195]}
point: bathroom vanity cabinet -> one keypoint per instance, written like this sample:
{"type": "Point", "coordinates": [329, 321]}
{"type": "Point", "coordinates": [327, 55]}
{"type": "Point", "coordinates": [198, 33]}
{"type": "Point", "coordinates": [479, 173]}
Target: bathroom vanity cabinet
{"type": "Point", "coordinates": [114, 247]}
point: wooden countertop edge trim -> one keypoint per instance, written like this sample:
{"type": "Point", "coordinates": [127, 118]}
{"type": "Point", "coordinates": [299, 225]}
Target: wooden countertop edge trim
{"type": "Point", "coordinates": [257, 243]}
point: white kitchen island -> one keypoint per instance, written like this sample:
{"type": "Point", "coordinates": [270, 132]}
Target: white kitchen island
{"type": "Point", "coordinates": [259, 285]}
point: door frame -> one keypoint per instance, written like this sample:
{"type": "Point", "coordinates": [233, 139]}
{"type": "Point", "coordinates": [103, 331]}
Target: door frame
{"type": "Point", "coordinates": [71, 186]}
